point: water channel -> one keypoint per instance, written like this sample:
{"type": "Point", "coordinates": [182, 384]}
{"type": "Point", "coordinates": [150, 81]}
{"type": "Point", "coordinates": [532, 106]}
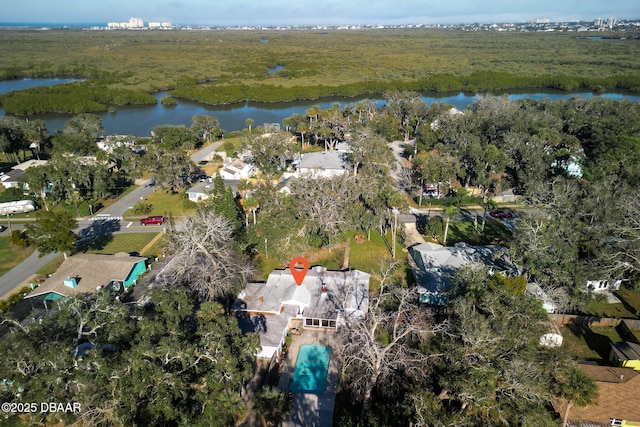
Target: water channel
{"type": "Point", "coordinates": [140, 120]}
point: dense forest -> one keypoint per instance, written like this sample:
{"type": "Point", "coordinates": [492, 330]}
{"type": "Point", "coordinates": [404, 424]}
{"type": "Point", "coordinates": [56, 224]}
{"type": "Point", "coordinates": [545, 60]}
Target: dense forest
{"type": "Point", "coordinates": [221, 67]}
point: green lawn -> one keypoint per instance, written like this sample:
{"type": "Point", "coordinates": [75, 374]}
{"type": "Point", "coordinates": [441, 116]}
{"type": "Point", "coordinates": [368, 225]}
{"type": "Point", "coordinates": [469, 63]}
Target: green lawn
{"type": "Point", "coordinates": [164, 203]}
{"type": "Point", "coordinates": [628, 308]}
{"type": "Point", "coordinates": [366, 256]}
{"type": "Point", "coordinates": [585, 343]}
{"type": "Point", "coordinates": [123, 242]}
{"type": "Point", "coordinates": [495, 233]}
{"type": "Point", "coordinates": [11, 256]}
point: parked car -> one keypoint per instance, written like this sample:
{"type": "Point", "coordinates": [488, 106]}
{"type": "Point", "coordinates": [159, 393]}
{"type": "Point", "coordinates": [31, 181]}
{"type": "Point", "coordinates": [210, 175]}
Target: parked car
{"type": "Point", "coordinates": [501, 214]}
{"type": "Point", "coordinates": [2, 228]}
{"type": "Point", "coordinates": [152, 220]}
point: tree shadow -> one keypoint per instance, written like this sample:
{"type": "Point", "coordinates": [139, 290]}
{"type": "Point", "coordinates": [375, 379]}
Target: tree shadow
{"type": "Point", "coordinates": [98, 235]}
{"type": "Point", "coordinates": [599, 343]}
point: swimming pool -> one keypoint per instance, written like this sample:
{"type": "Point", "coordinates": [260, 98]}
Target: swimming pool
{"type": "Point", "coordinates": [312, 366]}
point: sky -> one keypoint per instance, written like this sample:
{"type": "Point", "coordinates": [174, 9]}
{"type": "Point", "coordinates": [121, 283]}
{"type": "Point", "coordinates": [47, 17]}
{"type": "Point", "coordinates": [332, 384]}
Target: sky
{"type": "Point", "coordinates": [312, 12]}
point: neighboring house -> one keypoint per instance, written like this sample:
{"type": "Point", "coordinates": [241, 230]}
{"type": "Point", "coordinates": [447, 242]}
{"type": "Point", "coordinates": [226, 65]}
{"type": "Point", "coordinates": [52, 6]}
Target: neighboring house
{"type": "Point", "coordinates": [435, 265]}
{"type": "Point", "coordinates": [616, 403]}
{"type": "Point", "coordinates": [13, 178]}
{"type": "Point", "coordinates": [603, 285]}
{"type": "Point", "coordinates": [324, 164]}
{"type": "Point", "coordinates": [236, 170]}
{"type": "Point", "coordinates": [626, 354]}
{"type": "Point", "coordinates": [571, 166]}
{"type": "Point", "coordinates": [200, 191]}
{"type": "Point", "coordinates": [86, 273]}
{"type": "Point", "coordinates": [322, 301]}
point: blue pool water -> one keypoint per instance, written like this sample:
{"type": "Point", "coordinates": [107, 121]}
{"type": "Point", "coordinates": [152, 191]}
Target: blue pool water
{"type": "Point", "coordinates": [312, 366]}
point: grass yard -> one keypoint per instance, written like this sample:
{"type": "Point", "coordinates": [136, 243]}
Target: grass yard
{"type": "Point", "coordinates": [629, 307]}
{"type": "Point", "coordinates": [126, 242]}
{"type": "Point", "coordinates": [495, 233]}
{"type": "Point", "coordinates": [586, 343]}
{"type": "Point", "coordinates": [11, 256]}
{"type": "Point", "coordinates": [366, 256]}
{"type": "Point", "coordinates": [164, 203]}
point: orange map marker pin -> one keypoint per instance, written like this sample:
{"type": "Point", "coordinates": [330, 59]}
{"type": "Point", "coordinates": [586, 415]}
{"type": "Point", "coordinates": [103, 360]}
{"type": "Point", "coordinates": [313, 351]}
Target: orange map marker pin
{"type": "Point", "coordinates": [298, 275]}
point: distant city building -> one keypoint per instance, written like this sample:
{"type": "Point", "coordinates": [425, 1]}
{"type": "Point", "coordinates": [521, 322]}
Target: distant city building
{"type": "Point", "coordinates": [132, 23]}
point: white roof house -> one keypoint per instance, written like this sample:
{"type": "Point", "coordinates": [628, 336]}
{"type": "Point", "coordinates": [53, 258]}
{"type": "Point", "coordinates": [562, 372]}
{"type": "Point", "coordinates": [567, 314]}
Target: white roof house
{"type": "Point", "coordinates": [323, 300]}
{"type": "Point", "coordinates": [323, 164]}
{"type": "Point", "coordinates": [236, 169]}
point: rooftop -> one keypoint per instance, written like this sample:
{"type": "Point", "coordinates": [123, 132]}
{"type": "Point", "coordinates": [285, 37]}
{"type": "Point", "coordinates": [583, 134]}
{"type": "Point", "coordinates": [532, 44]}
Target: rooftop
{"type": "Point", "coordinates": [90, 272]}
{"type": "Point", "coordinates": [323, 160]}
{"type": "Point", "coordinates": [618, 391]}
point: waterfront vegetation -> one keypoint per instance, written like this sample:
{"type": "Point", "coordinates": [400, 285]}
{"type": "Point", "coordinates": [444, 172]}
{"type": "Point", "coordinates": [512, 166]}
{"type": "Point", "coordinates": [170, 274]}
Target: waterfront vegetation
{"type": "Point", "coordinates": [222, 67]}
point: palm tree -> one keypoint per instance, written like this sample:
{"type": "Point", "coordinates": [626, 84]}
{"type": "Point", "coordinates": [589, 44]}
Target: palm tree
{"type": "Point", "coordinates": [250, 203]}
{"type": "Point", "coordinates": [142, 208]}
{"type": "Point", "coordinates": [578, 389]}
{"type": "Point", "coordinates": [395, 201]}
{"type": "Point", "coordinates": [249, 122]}
{"type": "Point", "coordinates": [448, 213]}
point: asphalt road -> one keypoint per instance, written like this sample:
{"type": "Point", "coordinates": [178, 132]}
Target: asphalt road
{"type": "Point", "coordinates": [108, 220]}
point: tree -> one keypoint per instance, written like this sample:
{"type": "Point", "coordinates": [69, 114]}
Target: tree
{"type": "Point", "coordinates": [395, 202]}
{"type": "Point", "coordinates": [205, 126]}
{"type": "Point", "coordinates": [369, 148]}
{"type": "Point", "coordinates": [142, 208]}
{"type": "Point", "coordinates": [270, 150]}
{"type": "Point", "coordinates": [493, 370]}
{"type": "Point", "coordinates": [273, 405]}
{"type": "Point", "coordinates": [382, 350]}
{"type": "Point", "coordinates": [448, 213]}
{"type": "Point", "coordinates": [205, 257]}
{"type": "Point", "coordinates": [251, 204]}
{"type": "Point", "coordinates": [175, 361]}
{"type": "Point", "coordinates": [53, 232]}
{"type": "Point", "coordinates": [170, 137]}
{"type": "Point", "coordinates": [249, 122]}
{"type": "Point", "coordinates": [576, 388]}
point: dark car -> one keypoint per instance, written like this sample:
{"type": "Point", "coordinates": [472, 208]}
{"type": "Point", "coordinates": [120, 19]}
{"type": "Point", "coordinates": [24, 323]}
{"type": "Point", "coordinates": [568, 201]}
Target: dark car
{"type": "Point", "coordinates": [2, 228]}
{"type": "Point", "coordinates": [501, 214]}
{"type": "Point", "coordinates": [152, 220]}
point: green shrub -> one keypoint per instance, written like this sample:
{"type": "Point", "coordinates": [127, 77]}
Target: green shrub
{"type": "Point", "coordinates": [19, 238]}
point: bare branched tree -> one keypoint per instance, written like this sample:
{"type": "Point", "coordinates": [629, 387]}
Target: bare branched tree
{"type": "Point", "coordinates": [385, 343]}
{"type": "Point", "coordinates": [205, 258]}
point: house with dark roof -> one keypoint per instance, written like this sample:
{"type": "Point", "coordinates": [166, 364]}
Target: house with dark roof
{"type": "Point", "coordinates": [322, 301]}
{"type": "Point", "coordinates": [626, 354]}
{"type": "Point", "coordinates": [616, 403]}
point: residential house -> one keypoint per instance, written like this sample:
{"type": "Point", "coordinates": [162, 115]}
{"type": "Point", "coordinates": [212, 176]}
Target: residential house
{"type": "Point", "coordinates": [86, 273]}
{"type": "Point", "coordinates": [15, 177]}
{"type": "Point", "coordinates": [626, 354]}
{"type": "Point", "coordinates": [323, 300]}
{"type": "Point", "coordinates": [435, 265]}
{"type": "Point", "coordinates": [324, 164]}
{"type": "Point", "coordinates": [616, 403]}
{"type": "Point", "coordinates": [603, 285]}
{"type": "Point", "coordinates": [200, 191]}
{"type": "Point", "coordinates": [236, 170]}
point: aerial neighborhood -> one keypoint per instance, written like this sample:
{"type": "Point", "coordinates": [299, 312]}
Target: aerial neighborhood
{"type": "Point", "coordinates": [379, 259]}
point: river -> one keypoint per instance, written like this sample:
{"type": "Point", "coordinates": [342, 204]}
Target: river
{"type": "Point", "coordinates": [140, 120]}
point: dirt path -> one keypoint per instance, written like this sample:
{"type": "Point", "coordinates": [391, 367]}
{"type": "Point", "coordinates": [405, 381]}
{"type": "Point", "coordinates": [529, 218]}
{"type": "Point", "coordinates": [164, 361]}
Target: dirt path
{"type": "Point", "coordinates": [152, 242]}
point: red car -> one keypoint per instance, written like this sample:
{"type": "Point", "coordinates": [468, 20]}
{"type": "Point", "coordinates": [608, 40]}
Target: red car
{"type": "Point", "coordinates": [501, 214]}
{"type": "Point", "coordinates": [152, 220]}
